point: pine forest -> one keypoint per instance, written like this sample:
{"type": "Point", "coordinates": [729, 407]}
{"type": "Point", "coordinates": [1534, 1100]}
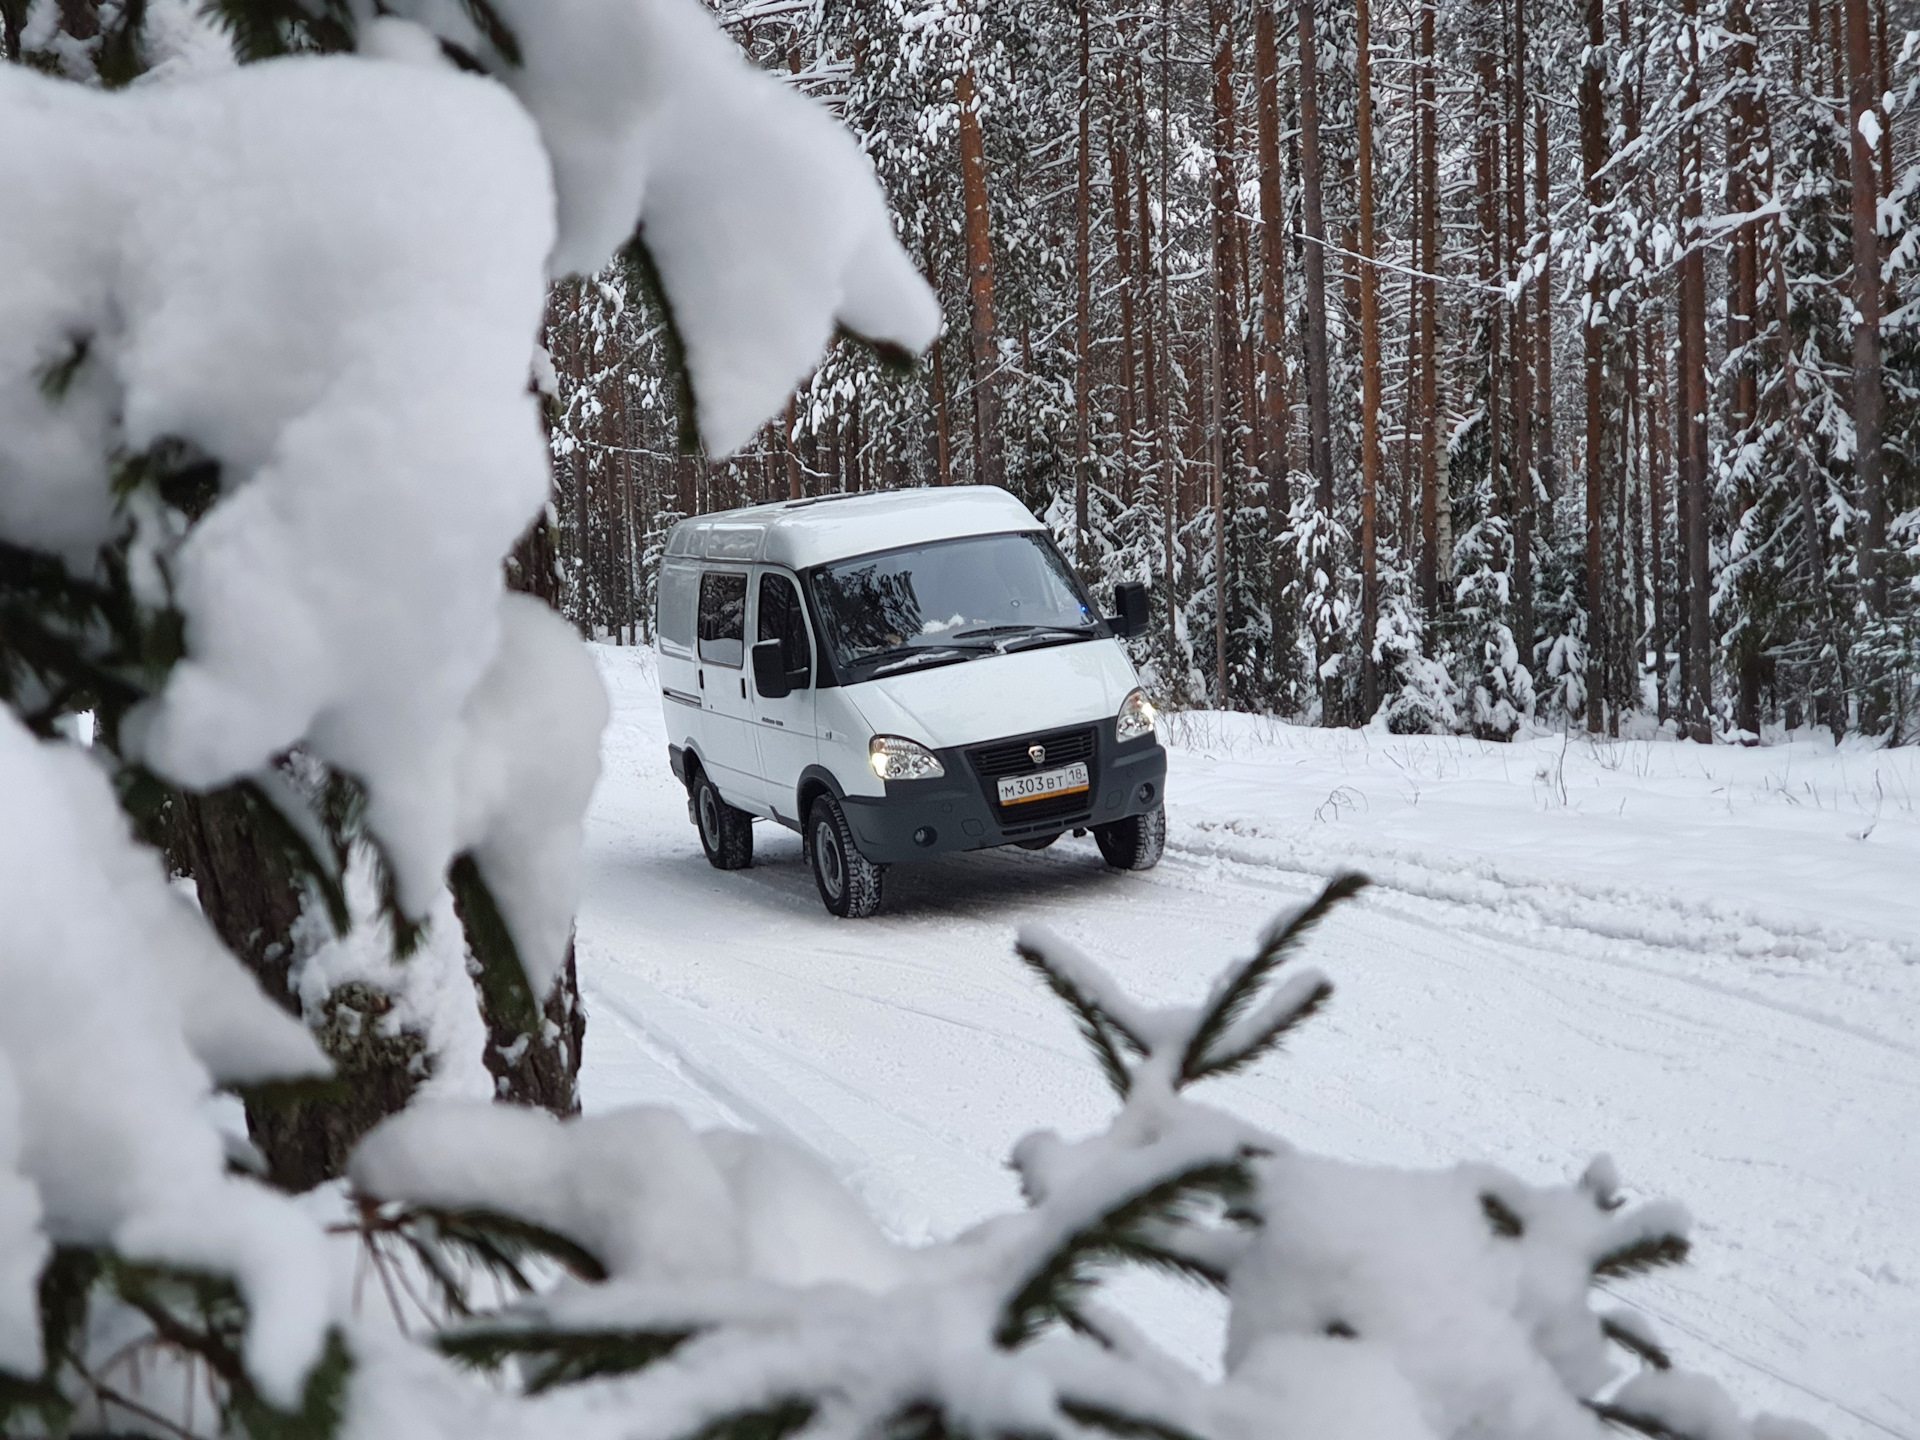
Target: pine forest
{"type": "Point", "coordinates": [1461, 366]}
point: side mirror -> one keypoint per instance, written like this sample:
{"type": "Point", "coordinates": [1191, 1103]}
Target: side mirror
{"type": "Point", "coordinates": [770, 671]}
{"type": "Point", "coordinates": [1130, 601]}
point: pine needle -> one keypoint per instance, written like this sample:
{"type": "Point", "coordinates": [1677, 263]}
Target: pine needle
{"type": "Point", "coordinates": [1267, 1039]}
{"type": "Point", "coordinates": [500, 1242]}
{"type": "Point", "coordinates": [1501, 1217]}
{"type": "Point", "coordinates": [1124, 1233]}
{"type": "Point", "coordinates": [1649, 1252]}
{"type": "Point", "coordinates": [1633, 1420]}
{"type": "Point", "coordinates": [1649, 1353]}
{"type": "Point", "coordinates": [499, 34]}
{"type": "Point", "coordinates": [1243, 983]}
{"type": "Point", "coordinates": [1100, 1029]}
{"type": "Point", "coordinates": [561, 1357]}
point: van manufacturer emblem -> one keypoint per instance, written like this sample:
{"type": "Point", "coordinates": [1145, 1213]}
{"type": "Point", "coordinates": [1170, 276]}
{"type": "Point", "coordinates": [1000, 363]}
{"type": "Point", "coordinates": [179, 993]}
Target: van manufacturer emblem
{"type": "Point", "coordinates": [1037, 754]}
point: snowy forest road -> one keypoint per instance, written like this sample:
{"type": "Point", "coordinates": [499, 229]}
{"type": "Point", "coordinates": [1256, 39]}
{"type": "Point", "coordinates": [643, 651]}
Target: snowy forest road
{"type": "Point", "coordinates": [1767, 1078]}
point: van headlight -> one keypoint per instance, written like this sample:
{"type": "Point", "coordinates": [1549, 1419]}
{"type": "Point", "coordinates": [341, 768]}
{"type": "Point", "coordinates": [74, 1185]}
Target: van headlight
{"type": "Point", "coordinates": [894, 757]}
{"type": "Point", "coordinates": [1136, 718]}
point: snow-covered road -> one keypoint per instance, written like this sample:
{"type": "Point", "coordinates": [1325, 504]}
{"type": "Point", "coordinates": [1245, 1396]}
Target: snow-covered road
{"type": "Point", "coordinates": [1704, 964]}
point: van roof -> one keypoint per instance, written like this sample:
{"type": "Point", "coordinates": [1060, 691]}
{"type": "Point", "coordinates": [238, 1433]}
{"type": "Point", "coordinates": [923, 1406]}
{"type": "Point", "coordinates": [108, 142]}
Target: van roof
{"type": "Point", "coordinates": [800, 533]}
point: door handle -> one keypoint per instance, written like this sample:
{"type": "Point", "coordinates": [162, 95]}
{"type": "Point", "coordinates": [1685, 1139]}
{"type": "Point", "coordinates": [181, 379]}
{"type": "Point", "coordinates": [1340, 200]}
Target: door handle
{"type": "Point", "coordinates": [743, 687]}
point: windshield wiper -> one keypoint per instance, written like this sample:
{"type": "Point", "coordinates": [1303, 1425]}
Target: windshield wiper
{"type": "Point", "coordinates": [1041, 637]}
{"type": "Point", "coordinates": [1024, 629]}
{"type": "Point", "coordinates": [928, 655]}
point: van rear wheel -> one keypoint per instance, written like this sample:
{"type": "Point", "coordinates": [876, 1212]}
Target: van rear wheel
{"type": "Point", "coordinates": [849, 883]}
{"type": "Point", "coordinates": [726, 834]}
{"type": "Point", "coordinates": [1135, 843]}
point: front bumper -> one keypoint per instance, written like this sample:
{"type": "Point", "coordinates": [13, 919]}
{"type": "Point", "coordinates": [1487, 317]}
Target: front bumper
{"type": "Point", "coordinates": [918, 819]}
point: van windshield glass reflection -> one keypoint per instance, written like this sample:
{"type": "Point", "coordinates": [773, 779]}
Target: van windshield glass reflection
{"type": "Point", "coordinates": [949, 601]}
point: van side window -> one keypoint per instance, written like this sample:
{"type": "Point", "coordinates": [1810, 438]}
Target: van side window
{"type": "Point", "coordinates": [723, 618]}
{"type": "Point", "coordinates": [782, 619]}
{"type": "Point", "coordinates": [678, 597]}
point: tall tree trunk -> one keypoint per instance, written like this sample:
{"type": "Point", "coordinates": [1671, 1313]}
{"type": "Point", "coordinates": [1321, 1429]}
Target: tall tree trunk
{"type": "Point", "coordinates": [942, 421]}
{"type": "Point", "coordinates": [1273, 407]}
{"type": "Point", "coordinates": [1693, 392]}
{"type": "Point", "coordinates": [1742, 316]}
{"type": "Point", "coordinates": [1487, 91]}
{"type": "Point", "coordinates": [1273, 265]}
{"type": "Point", "coordinates": [1659, 468]}
{"type": "Point", "coordinates": [1868, 396]}
{"type": "Point", "coordinates": [1593, 157]}
{"type": "Point", "coordinates": [1369, 368]}
{"type": "Point", "coordinates": [1543, 307]}
{"type": "Point", "coordinates": [1083, 316]}
{"type": "Point", "coordinates": [1627, 622]}
{"type": "Point", "coordinates": [253, 899]}
{"type": "Point", "coordinates": [1168, 458]}
{"type": "Point", "coordinates": [989, 467]}
{"type": "Point", "coordinates": [1121, 185]}
{"type": "Point", "coordinates": [1228, 368]}
{"type": "Point", "coordinates": [1522, 333]}
{"type": "Point", "coordinates": [1217, 470]}
{"type": "Point", "coordinates": [1314, 263]}
{"type": "Point", "coordinates": [1428, 192]}
{"type": "Point", "coordinates": [794, 488]}
{"type": "Point", "coordinates": [1153, 316]}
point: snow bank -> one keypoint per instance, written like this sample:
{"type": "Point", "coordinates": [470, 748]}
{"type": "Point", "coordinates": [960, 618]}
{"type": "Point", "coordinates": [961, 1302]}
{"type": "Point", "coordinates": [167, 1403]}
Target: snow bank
{"type": "Point", "coordinates": [121, 1008]}
{"type": "Point", "coordinates": [1670, 844]}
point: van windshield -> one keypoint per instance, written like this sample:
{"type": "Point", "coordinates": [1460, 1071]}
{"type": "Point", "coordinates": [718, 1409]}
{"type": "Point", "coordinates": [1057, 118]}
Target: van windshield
{"type": "Point", "coordinates": [949, 601]}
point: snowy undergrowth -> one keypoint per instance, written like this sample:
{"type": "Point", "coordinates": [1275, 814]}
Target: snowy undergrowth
{"type": "Point", "coordinates": [1797, 852]}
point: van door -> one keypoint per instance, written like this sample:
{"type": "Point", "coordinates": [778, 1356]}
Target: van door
{"type": "Point", "coordinates": [727, 743]}
{"type": "Point", "coordinates": [784, 726]}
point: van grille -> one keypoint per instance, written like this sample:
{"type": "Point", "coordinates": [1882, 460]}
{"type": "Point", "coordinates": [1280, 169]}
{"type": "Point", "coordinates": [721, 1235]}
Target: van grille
{"type": "Point", "coordinates": [1009, 757]}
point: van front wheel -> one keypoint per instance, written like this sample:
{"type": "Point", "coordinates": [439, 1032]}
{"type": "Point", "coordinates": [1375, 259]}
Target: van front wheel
{"type": "Point", "coordinates": [1135, 843]}
{"type": "Point", "coordinates": [726, 834]}
{"type": "Point", "coordinates": [849, 882]}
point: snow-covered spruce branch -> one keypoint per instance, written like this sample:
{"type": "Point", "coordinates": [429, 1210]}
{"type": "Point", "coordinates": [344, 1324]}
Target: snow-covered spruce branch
{"type": "Point", "coordinates": [253, 516]}
{"type": "Point", "coordinates": [724, 1285]}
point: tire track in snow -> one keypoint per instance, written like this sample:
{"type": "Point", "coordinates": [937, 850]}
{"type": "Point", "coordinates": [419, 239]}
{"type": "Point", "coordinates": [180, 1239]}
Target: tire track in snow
{"type": "Point", "coordinates": [1609, 912]}
{"type": "Point", "coordinates": [1761, 1367]}
{"type": "Point", "coordinates": [713, 1058]}
{"type": "Point", "coordinates": [1405, 879]}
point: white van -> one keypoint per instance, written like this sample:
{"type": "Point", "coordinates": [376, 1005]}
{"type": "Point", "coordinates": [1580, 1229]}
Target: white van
{"type": "Point", "coordinates": [896, 676]}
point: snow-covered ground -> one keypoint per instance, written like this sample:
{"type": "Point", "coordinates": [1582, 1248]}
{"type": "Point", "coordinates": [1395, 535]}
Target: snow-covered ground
{"type": "Point", "coordinates": [1705, 962]}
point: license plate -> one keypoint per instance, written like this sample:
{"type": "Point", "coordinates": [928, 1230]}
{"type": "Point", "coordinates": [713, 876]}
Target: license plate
{"type": "Point", "coordinates": [1019, 789]}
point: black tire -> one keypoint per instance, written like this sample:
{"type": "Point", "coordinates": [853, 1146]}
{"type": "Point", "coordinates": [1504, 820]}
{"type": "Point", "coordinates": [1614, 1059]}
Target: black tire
{"type": "Point", "coordinates": [1135, 843]}
{"type": "Point", "coordinates": [849, 882]}
{"type": "Point", "coordinates": [726, 834]}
